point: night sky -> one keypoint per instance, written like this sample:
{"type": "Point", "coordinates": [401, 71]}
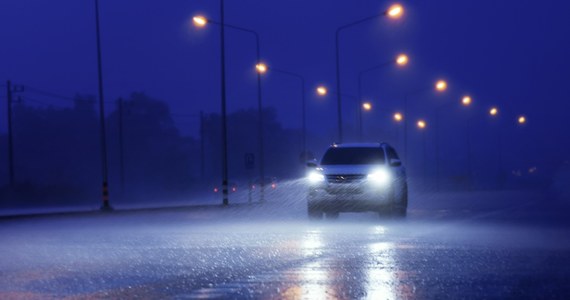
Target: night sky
{"type": "Point", "coordinates": [513, 54]}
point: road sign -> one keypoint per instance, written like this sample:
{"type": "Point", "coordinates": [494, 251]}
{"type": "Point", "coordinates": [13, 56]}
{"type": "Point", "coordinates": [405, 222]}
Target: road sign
{"type": "Point", "coordinates": [249, 159]}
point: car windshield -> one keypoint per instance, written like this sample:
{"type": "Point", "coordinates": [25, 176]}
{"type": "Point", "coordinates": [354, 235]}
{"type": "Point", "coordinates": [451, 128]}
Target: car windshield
{"type": "Point", "coordinates": [353, 156]}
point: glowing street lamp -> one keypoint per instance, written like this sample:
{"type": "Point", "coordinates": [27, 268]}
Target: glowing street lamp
{"type": "Point", "coordinates": [493, 111]}
{"type": "Point", "coordinates": [421, 124]}
{"type": "Point", "coordinates": [199, 21]}
{"type": "Point", "coordinates": [261, 68]}
{"type": "Point", "coordinates": [395, 11]}
{"type": "Point", "coordinates": [521, 120]}
{"type": "Point", "coordinates": [402, 60]}
{"type": "Point", "coordinates": [398, 117]}
{"type": "Point", "coordinates": [367, 106]}
{"type": "Point", "coordinates": [322, 91]}
{"type": "Point", "coordinates": [466, 101]}
{"type": "Point", "coordinates": [441, 85]}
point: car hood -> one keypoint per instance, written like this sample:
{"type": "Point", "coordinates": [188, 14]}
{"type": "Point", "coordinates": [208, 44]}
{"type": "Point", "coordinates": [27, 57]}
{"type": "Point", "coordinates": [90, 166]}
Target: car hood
{"type": "Point", "coordinates": [350, 169]}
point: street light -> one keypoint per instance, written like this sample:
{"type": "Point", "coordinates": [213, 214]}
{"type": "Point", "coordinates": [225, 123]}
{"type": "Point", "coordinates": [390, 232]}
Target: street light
{"type": "Point", "coordinates": [322, 91]}
{"type": "Point", "coordinates": [395, 11]}
{"type": "Point", "coordinates": [400, 60]}
{"type": "Point", "coordinates": [421, 124]}
{"type": "Point", "coordinates": [367, 106]}
{"type": "Point", "coordinates": [201, 21]}
{"type": "Point", "coordinates": [465, 101]}
{"type": "Point", "coordinates": [440, 86]}
{"type": "Point", "coordinates": [262, 68]}
{"type": "Point", "coordinates": [522, 120]}
{"type": "Point", "coordinates": [398, 117]}
{"type": "Point", "coordinates": [493, 111]}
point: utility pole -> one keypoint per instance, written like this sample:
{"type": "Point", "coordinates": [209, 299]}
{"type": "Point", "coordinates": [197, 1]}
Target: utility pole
{"type": "Point", "coordinates": [121, 146]}
{"type": "Point", "coordinates": [10, 133]}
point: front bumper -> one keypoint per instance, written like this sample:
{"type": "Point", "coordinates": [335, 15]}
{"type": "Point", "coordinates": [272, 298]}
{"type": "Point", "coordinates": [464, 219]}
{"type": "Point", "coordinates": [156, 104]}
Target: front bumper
{"type": "Point", "coordinates": [349, 197]}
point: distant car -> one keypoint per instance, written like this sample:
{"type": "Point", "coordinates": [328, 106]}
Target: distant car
{"type": "Point", "coordinates": [232, 188]}
{"type": "Point", "coordinates": [357, 177]}
{"type": "Point", "coordinates": [270, 182]}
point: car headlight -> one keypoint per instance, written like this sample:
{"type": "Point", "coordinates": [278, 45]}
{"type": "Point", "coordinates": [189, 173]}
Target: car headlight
{"type": "Point", "coordinates": [379, 177]}
{"type": "Point", "coordinates": [315, 177]}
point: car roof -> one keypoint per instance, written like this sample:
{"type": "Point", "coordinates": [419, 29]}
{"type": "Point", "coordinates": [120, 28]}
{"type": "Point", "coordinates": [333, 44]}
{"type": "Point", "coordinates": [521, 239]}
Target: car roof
{"type": "Point", "coordinates": [359, 145]}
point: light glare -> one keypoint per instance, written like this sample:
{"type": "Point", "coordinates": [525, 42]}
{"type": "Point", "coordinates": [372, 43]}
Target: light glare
{"type": "Point", "coordinates": [380, 177]}
{"type": "Point", "coordinates": [367, 106]}
{"type": "Point", "coordinates": [395, 11]}
{"type": "Point", "coordinates": [321, 90]}
{"type": "Point", "coordinates": [466, 101]}
{"type": "Point", "coordinates": [493, 111]}
{"type": "Point", "coordinates": [402, 60]}
{"type": "Point", "coordinates": [422, 124]}
{"type": "Point", "coordinates": [315, 177]}
{"type": "Point", "coordinates": [398, 117]}
{"type": "Point", "coordinates": [522, 120]}
{"type": "Point", "coordinates": [261, 68]}
{"type": "Point", "coordinates": [199, 21]}
{"type": "Point", "coordinates": [441, 85]}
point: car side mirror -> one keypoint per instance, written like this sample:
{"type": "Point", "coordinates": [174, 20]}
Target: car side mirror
{"type": "Point", "coordinates": [394, 162]}
{"type": "Point", "coordinates": [312, 163]}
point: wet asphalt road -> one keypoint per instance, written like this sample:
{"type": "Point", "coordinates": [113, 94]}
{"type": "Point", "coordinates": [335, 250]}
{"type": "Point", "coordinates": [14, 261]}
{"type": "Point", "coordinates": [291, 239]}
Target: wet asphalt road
{"type": "Point", "coordinates": [446, 248]}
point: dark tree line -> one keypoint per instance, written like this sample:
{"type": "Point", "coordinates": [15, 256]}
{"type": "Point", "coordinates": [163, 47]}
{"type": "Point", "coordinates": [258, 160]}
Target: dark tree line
{"type": "Point", "coordinates": [57, 152]}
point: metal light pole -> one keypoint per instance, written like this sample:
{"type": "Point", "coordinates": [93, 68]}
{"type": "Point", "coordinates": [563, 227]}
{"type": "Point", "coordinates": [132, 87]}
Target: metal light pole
{"type": "Point", "coordinates": [360, 75]}
{"type": "Point", "coordinates": [105, 186]}
{"type": "Point", "coordinates": [303, 106]}
{"type": "Point", "coordinates": [121, 146]}
{"type": "Point", "coordinates": [393, 12]}
{"type": "Point", "coordinates": [10, 133]}
{"type": "Point", "coordinates": [466, 101]}
{"type": "Point", "coordinates": [201, 21]}
{"type": "Point", "coordinates": [223, 104]}
{"type": "Point", "coordinates": [401, 60]}
{"type": "Point", "coordinates": [440, 86]}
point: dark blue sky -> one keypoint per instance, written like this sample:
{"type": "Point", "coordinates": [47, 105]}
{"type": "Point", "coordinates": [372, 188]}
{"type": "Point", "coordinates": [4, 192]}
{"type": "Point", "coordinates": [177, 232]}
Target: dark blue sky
{"type": "Point", "coordinates": [510, 53]}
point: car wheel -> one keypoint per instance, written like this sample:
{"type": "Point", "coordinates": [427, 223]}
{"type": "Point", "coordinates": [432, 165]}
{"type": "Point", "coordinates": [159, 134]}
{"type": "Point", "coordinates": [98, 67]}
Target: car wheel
{"type": "Point", "coordinates": [313, 210]}
{"type": "Point", "coordinates": [400, 207]}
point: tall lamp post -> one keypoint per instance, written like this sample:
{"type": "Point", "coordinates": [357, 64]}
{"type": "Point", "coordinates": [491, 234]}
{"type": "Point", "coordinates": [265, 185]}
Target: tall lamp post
{"type": "Point", "coordinates": [466, 101]}
{"type": "Point", "coordinates": [440, 86]}
{"type": "Point", "coordinates": [362, 105]}
{"type": "Point", "coordinates": [200, 21]}
{"type": "Point", "coordinates": [422, 127]}
{"type": "Point", "coordinates": [394, 12]}
{"type": "Point", "coordinates": [262, 69]}
{"type": "Point", "coordinates": [401, 60]}
{"type": "Point", "coordinates": [105, 187]}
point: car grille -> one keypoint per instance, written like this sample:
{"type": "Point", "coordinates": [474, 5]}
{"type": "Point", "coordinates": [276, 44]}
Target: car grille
{"type": "Point", "coordinates": [344, 178]}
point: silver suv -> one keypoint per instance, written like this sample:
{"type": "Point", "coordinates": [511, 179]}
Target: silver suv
{"type": "Point", "coordinates": [357, 177]}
